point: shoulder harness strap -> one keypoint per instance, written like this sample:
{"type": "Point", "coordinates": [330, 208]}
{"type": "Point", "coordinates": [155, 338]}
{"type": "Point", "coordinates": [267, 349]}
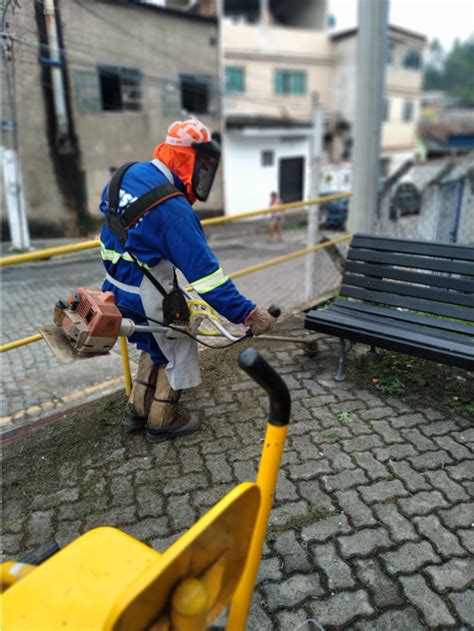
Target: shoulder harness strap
{"type": "Point", "coordinates": [119, 224]}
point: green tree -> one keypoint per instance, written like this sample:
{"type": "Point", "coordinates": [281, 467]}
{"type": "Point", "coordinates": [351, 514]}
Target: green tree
{"type": "Point", "coordinates": [459, 71]}
{"type": "Point", "coordinates": [434, 69]}
{"type": "Point", "coordinates": [454, 72]}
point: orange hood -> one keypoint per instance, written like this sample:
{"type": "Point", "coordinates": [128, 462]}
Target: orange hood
{"type": "Point", "coordinates": [180, 160]}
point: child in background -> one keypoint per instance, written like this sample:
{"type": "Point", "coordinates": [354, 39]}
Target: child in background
{"type": "Point", "coordinates": [276, 219]}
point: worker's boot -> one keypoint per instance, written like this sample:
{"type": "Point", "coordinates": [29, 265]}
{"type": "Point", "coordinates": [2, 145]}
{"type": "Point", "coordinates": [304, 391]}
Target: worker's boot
{"type": "Point", "coordinates": [141, 397]}
{"type": "Point", "coordinates": [163, 420]}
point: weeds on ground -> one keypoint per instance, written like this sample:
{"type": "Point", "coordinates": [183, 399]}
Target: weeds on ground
{"type": "Point", "coordinates": [415, 379]}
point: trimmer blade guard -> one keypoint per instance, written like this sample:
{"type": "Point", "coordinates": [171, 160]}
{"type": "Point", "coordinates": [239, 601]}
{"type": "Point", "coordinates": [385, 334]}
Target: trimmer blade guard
{"type": "Point", "coordinates": [61, 347]}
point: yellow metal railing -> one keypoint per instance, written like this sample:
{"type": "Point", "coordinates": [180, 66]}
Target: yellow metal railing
{"type": "Point", "coordinates": [46, 253]}
{"type": "Point", "coordinates": [17, 259]}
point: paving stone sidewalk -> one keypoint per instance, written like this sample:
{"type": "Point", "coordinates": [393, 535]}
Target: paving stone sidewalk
{"type": "Point", "coordinates": [373, 524]}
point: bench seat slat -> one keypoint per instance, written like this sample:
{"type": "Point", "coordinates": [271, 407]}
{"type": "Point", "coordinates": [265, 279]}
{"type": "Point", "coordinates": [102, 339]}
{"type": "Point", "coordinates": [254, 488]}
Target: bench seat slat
{"type": "Point", "coordinates": [411, 325]}
{"type": "Point", "coordinates": [426, 248]}
{"type": "Point", "coordinates": [409, 334]}
{"type": "Point", "coordinates": [405, 302]}
{"type": "Point", "coordinates": [390, 342]}
{"type": "Point", "coordinates": [406, 289]}
{"type": "Point", "coordinates": [405, 316]}
{"type": "Point", "coordinates": [418, 262]}
{"type": "Point", "coordinates": [389, 272]}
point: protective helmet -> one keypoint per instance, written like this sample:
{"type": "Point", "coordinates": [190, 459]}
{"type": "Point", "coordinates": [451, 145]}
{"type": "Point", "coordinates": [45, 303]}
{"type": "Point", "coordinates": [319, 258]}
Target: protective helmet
{"type": "Point", "coordinates": [193, 135]}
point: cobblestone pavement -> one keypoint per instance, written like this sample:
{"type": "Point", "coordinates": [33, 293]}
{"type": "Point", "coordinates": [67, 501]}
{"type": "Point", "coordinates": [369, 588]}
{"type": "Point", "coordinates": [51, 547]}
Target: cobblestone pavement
{"type": "Point", "coordinates": [373, 524]}
{"type": "Point", "coordinates": [36, 384]}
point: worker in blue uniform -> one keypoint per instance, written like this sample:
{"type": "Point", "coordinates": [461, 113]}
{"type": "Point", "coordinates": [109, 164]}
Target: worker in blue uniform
{"type": "Point", "coordinates": [150, 230]}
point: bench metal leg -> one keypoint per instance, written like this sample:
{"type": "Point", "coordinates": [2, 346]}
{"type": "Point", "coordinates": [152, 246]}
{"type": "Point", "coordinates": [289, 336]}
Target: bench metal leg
{"type": "Point", "coordinates": [373, 351]}
{"type": "Point", "coordinates": [340, 375]}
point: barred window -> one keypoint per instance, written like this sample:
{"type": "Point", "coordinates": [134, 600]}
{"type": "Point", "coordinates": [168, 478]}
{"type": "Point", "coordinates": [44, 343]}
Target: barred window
{"type": "Point", "coordinates": [120, 88]}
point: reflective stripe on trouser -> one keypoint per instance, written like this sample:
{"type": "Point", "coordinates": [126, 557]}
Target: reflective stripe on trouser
{"type": "Point", "coordinates": [164, 405]}
{"type": "Point", "coordinates": [144, 386]}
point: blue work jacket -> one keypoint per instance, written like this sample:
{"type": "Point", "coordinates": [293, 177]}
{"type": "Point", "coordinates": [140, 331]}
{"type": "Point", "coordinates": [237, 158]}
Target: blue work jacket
{"type": "Point", "coordinates": [170, 231]}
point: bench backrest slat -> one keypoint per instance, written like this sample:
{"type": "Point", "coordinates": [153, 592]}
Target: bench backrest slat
{"type": "Point", "coordinates": [417, 262]}
{"type": "Point", "coordinates": [406, 302]}
{"type": "Point", "coordinates": [424, 248]}
{"type": "Point", "coordinates": [406, 289]}
{"type": "Point", "coordinates": [393, 273]}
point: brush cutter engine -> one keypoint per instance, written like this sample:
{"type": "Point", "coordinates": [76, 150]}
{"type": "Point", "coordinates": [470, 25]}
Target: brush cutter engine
{"type": "Point", "coordinates": [90, 320]}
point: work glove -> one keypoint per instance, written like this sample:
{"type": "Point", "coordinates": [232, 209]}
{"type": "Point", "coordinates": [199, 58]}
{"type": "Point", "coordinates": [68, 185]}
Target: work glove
{"type": "Point", "coordinates": [260, 321]}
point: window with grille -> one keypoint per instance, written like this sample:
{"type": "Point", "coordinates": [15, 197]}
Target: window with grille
{"type": "Point", "coordinates": [407, 115]}
{"type": "Point", "coordinates": [87, 91]}
{"type": "Point", "coordinates": [234, 80]}
{"type": "Point", "coordinates": [268, 158]}
{"type": "Point", "coordinates": [120, 88]}
{"type": "Point", "coordinates": [290, 82]}
{"type": "Point", "coordinates": [412, 59]}
{"type": "Point", "coordinates": [196, 93]}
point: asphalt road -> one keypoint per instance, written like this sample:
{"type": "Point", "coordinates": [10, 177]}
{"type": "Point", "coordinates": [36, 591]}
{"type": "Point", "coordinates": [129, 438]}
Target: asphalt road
{"type": "Point", "coordinates": [36, 384]}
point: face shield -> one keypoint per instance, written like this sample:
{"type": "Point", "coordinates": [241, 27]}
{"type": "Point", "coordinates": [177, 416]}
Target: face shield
{"type": "Point", "coordinates": [207, 159]}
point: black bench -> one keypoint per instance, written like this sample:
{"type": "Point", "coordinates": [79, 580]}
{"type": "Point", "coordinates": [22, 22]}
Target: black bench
{"type": "Point", "coordinates": [414, 297]}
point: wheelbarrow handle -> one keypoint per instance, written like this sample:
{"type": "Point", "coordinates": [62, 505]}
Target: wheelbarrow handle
{"type": "Point", "coordinates": [262, 373]}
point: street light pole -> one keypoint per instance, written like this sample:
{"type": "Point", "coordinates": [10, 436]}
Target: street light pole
{"type": "Point", "coordinates": [371, 59]}
{"type": "Point", "coordinates": [12, 176]}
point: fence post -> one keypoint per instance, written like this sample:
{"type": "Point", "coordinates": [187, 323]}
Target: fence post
{"type": "Point", "coordinates": [313, 210]}
{"type": "Point", "coordinates": [126, 365]}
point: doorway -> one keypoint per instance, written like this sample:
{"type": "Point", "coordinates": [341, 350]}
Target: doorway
{"type": "Point", "coordinates": [291, 179]}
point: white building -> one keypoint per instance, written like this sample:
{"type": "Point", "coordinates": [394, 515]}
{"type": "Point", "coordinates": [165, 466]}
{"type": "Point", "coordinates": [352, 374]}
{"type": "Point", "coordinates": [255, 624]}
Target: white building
{"type": "Point", "coordinates": [273, 62]}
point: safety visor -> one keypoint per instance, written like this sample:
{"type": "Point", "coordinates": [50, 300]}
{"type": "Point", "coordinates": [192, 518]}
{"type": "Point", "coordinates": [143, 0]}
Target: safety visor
{"type": "Point", "coordinates": [208, 155]}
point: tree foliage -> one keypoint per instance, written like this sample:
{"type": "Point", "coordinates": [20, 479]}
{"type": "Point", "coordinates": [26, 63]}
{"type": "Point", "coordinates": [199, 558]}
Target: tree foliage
{"type": "Point", "coordinates": [452, 72]}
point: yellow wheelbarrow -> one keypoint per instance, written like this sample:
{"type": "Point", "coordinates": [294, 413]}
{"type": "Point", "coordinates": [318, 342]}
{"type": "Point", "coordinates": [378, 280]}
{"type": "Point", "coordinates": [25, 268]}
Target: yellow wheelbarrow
{"type": "Point", "coordinates": [107, 580]}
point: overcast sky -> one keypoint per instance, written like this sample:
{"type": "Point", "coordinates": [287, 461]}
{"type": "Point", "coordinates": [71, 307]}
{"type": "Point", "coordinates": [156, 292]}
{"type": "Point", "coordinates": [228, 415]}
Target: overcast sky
{"type": "Point", "coordinates": [445, 19]}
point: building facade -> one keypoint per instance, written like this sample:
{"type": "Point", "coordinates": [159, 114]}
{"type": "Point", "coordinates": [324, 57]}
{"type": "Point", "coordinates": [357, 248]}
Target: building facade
{"type": "Point", "coordinates": [124, 81]}
{"type": "Point", "coordinates": [402, 93]}
{"type": "Point", "coordinates": [276, 55]}
{"type": "Point", "coordinates": [273, 67]}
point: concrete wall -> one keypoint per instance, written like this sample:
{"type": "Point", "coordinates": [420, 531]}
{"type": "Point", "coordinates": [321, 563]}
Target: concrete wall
{"type": "Point", "coordinates": [130, 36]}
{"type": "Point", "coordinates": [251, 183]}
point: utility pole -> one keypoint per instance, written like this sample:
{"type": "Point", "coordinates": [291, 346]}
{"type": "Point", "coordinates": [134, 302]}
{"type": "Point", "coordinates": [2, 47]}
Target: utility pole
{"type": "Point", "coordinates": [371, 59]}
{"type": "Point", "coordinates": [12, 178]}
{"type": "Point", "coordinates": [59, 99]}
{"type": "Point", "coordinates": [316, 150]}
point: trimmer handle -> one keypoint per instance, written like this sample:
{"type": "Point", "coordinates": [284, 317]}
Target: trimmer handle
{"type": "Point", "coordinates": [262, 373]}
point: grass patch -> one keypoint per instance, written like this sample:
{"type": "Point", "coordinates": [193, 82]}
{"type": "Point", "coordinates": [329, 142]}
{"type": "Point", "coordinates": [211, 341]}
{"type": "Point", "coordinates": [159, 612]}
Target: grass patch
{"type": "Point", "coordinates": [417, 380]}
{"type": "Point", "coordinates": [334, 435]}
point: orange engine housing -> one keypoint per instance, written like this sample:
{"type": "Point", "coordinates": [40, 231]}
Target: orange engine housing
{"type": "Point", "coordinates": [90, 320]}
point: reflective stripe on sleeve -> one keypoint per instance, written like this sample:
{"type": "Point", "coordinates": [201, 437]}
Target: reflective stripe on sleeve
{"type": "Point", "coordinates": [114, 257]}
{"type": "Point", "coordinates": [203, 285]}
{"type": "Point", "coordinates": [130, 288]}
